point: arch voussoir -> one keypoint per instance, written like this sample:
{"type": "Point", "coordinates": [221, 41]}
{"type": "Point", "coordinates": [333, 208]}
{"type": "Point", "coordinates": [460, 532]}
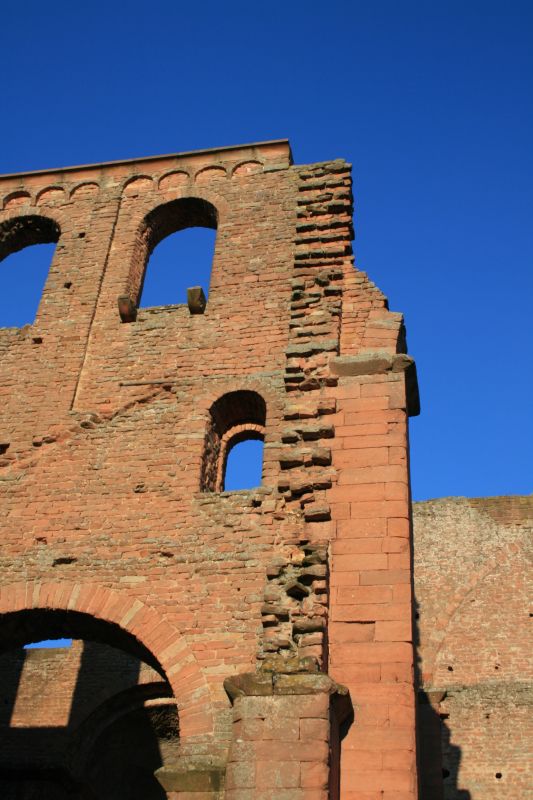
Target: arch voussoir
{"type": "Point", "coordinates": [144, 623]}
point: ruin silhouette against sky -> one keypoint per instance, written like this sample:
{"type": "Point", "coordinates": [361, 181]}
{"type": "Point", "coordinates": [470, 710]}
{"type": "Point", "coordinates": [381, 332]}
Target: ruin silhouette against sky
{"type": "Point", "coordinates": [431, 103]}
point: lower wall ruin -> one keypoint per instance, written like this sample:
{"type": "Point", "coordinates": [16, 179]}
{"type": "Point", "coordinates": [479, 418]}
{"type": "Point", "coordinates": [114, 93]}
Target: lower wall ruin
{"type": "Point", "coordinates": [472, 568]}
{"type": "Point", "coordinates": [475, 700]}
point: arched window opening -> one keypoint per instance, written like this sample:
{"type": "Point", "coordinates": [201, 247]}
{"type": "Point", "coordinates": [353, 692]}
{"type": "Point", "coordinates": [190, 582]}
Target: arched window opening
{"type": "Point", "coordinates": [237, 420]}
{"type": "Point", "coordinates": [19, 628]}
{"type": "Point", "coordinates": [244, 465]}
{"type": "Point", "coordinates": [180, 261]}
{"type": "Point", "coordinates": [98, 706]}
{"type": "Point", "coordinates": [27, 247]}
{"type": "Point", "coordinates": [174, 251]}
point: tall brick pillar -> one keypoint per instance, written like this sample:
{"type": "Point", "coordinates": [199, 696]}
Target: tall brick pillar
{"type": "Point", "coordinates": [370, 628]}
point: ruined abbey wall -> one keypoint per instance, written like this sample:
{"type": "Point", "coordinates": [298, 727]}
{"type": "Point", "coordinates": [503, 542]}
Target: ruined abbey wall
{"type": "Point", "coordinates": [472, 568]}
{"type": "Point", "coordinates": [278, 620]}
{"type": "Point", "coordinates": [472, 563]}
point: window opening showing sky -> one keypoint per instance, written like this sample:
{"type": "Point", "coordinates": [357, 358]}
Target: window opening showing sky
{"type": "Point", "coordinates": [244, 465]}
{"type": "Point", "coordinates": [22, 278]}
{"type": "Point", "coordinates": [179, 261]}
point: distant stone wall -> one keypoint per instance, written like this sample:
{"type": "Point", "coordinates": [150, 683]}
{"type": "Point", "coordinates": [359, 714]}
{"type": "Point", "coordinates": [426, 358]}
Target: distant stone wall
{"type": "Point", "coordinates": [472, 568]}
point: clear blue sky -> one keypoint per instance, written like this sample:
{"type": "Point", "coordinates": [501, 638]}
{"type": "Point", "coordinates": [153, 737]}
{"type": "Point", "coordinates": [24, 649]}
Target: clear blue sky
{"type": "Point", "coordinates": [430, 101]}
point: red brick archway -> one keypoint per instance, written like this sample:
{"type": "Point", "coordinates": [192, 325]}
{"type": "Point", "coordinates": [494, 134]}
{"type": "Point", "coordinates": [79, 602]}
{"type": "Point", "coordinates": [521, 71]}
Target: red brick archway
{"type": "Point", "coordinates": [155, 633]}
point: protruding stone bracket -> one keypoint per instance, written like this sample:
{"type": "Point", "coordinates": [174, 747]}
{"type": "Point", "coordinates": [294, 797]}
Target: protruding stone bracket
{"type": "Point", "coordinates": [432, 697]}
{"type": "Point", "coordinates": [203, 775]}
{"type": "Point", "coordinates": [196, 300]}
{"type": "Point", "coordinates": [127, 309]}
{"type": "Point", "coordinates": [378, 363]}
{"type": "Point", "coordinates": [261, 684]}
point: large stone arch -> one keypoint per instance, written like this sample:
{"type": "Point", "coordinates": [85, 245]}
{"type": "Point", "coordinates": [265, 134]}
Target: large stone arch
{"type": "Point", "coordinates": [141, 621]}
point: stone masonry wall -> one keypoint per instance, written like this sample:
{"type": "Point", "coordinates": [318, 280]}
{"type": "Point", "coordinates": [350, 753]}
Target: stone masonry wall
{"type": "Point", "coordinates": [472, 559]}
{"type": "Point", "coordinates": [113, 427]}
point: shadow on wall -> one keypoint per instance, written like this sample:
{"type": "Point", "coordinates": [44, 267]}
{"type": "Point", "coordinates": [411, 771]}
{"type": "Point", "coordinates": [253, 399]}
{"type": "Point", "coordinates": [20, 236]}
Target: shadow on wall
{"type": "Point", "coordinates": [111, 740]}
{"type": "Point", "coordinates": [438, 759]}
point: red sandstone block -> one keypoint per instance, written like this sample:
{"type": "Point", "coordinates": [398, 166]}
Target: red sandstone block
{"type": "Point", "coordinates": [399, 527]}
{"type": "Point", "coordinates": [370, 452]}
{"type": "Point", "coordinates": [375, 417]}
{"type": "Point", "coordinates": [385, 576]}
{"type": "Point", "coordinates": [371, 473]}
{"type": "Point", "coordinates": [382, 739]}
{"type": "Point", "coordinates": [366, 545]}
{"type": "Point", "coordinates": [360, 561]}
{"type": "Point", "coordinates": [351, 435]}
{"type": "Point", "coordinates": [402, 593]}
{"type": "Point", "coordinates": [314, 729]}
{"type": "Point", "coordinates": [364, 594]}
{"type": "Point", "coordinates": [365, 759]}
{"type": "Point", "coordinates": [378, 508]}
{"type": "Point", "coordinates": [311, 750]}
{"type": "Point", "coordinates": [340, 511]}
{"type": "Point", "coordinates": [346, 391]}
{"type": "Point", "coordinates": [400, 672]}
{"type": "Point", "coordinates": [344, 579]}
{"type": "Point", "coordinates": [372, 653]}
{"type": "Point", "coordinates": [349, 674]}
{"type": "Point", "coordinates": [353, 529]}
{"type": "Point", "coordinates": [378, 389]}
{"type": "Point", "coordinates": [352, 492]}
{"type": "Point", "coordinates": [399, 561]}
{"type": "Point", "coordinates": [342, 494]}
{"type": "Point", "coordinates": [277, 774]}
{"type": "Point", "coordinates": [240, 775]}
{"type": "Point", "coordinates": [397, 759]}
{"type": "Point", "coordinates": [364, 403]}
{"type": "Point", "coordinates": [389, 694]}
{"type": "Point", "coordinates": [372, 716]}
{"type": "Point", "coordinates": [316, 707]}
{"type": "Point", "coordinates": [323, 531]}
{"type": "Point", "coordinates": [379, 780]}
{"type": "Point", "coordinates": [314, 776]}
{"type": "Point", "coordinates": [281, 728]}
{"type": "Point", "coordinates": [393, 631]}
{"type": "Point", "coordinates": [394, 544]}
{"type": "Point", "coordinates": [394, 794]}
{"type": "Point", "coordinates": [402, 716]}
{"type": "Point", "coordinates": [398, 452]}
{"type": "Point", "coordinates": [353, 632]}
{"type": "Point", "coordinates": [371, 612]}
{"type": "Point", "coordinates": [397, 490]}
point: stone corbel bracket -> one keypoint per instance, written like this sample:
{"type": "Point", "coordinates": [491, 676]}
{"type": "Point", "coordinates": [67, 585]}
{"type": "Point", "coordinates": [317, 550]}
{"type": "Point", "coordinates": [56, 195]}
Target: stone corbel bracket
{"type": "Point", "coordinates": [126, 309]}
{"type": "Point", "coordinates": [264, 684]}
{"type": "Point", "coordinates": [381, 362]}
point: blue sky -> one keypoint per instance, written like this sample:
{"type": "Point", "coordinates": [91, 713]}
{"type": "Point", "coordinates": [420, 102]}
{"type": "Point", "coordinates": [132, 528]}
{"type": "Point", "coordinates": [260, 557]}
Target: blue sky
{"type": "Point", "coordinates": [430, 101]}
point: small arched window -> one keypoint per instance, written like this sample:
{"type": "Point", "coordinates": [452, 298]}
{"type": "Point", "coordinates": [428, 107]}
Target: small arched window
{"type": "Point", "coordinates": [27, 247]}
{"type": "Point", "coordinates": [174, 251]}
{"type": "Point", "coordinates": [233, 448]}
